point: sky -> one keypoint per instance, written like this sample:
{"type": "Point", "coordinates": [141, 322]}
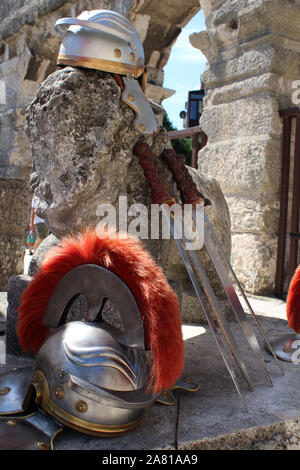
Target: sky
{"type": "Point", "coordinates": [183, 70]}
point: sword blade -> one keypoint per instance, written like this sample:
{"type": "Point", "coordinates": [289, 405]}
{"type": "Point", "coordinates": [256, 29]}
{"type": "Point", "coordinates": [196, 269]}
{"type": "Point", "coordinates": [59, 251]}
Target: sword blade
{"type": "Point", "coordinates": [233, 298]}
{"type": "Point", "coordinates": [222, 322]}
{"type": "Point", "coordinates": [203, 304]}
{"type": "Point", "coordinates": [234, 301]}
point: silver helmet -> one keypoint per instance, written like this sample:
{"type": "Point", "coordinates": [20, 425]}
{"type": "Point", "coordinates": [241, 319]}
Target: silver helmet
{"type": "Point", "coordinates": [105, 40]}
{"type": "Point", "coordinates": [89, 375]}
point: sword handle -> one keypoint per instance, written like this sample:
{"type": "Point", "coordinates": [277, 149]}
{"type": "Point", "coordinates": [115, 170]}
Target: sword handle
{"type": "Point", "coordinates": [188, 190]}
{"type": "Point", "coordinates": [160, 192]}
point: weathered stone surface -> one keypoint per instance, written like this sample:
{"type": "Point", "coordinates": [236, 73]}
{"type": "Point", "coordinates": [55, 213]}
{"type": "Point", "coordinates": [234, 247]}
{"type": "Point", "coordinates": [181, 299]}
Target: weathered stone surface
{"type": "Point", "coordinates": [11, 258]}
{"type": "Point", "coordinates": [244, 166]}
{"type": "Point", "coordinates": [87, 160]}
{"type": "Point", "coordinates": [15, 211]}
{"type": "Point", "coordinates": [14, 218]}
{"type": "Point", "coordinates": [245, 117]}
{"type": "Point", "coordinates": [40, 254]}
{"type": "Point", "coordinates": [82, 151]}
{"type": "Point", "coordinates": [253, 216]}
{"type": "Point", "coordinates": [255, 256]}
{"type": "Point", "coordinates": [16, 287]}
{"type": "Point", "coordinates": [3, 306]}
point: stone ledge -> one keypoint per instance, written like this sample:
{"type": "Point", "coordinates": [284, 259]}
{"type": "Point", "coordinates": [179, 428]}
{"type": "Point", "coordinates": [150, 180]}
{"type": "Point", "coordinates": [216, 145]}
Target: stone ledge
{"type": "Point", "coordinates": [213, 417]}
{"type": "Point", "coordinates": [282, 436]}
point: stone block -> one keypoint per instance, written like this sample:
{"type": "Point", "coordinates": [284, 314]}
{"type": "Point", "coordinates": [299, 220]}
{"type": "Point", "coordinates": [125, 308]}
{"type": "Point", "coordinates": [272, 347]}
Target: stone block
{"type": "Point", "coordinates": [255, 115]}
{"type": "Point", "coordinates": [12, 252]}
{"type": "Point", "coordinates": [252, 62]}
{"type": "Point", "coordinates": [16, 287]}
{"type": "Point", "coordinates": [249, 165]}
{"type": "Point", "coordinates": [40, 254]}
{"type": "Point", "coordinates": [3, 306]}
{"type": "Point", "coordinates": [15, 211]}
{"type": "Point", "coordinates": [254, 259]}
{"type": "Point", "coordinates": [267, 82]}
{"type": "Point", "coordinates": [14, 206]}
{"type": "Point", "coordinates": [254, 216]}
{"type": "Point", "coordinates": [6, 137]}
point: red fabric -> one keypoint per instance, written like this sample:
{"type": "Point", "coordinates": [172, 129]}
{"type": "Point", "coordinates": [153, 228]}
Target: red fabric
{"type": "Point", "coordinates": [127, 258]}
{"type": "Point", "coordinates": [293, 302]}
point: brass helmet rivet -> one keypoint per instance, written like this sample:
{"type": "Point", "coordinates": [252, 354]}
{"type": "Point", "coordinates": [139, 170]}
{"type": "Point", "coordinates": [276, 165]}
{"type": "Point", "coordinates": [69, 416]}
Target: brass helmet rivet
{"type": "Point", "coordinates": [41, 445]}
{"type": "Point", "coordinates": [59, 392]}
{"type": "Point", "coordinates": [117, 53]}
{"type": "Point", "coordinates": [132, 56]}
{"type": "Point", "coordinates": [60, 375]}
{"type": "Point", "coordinates": [81, 406]}
{"type": "Point", "coordinates": [12, 422]}
{"type": "Point", "coordinates": [142, 127]}
{"type": "Point", "coordinates": [131, 98]}
{"type": "Point", "coordinates": [4, 390]}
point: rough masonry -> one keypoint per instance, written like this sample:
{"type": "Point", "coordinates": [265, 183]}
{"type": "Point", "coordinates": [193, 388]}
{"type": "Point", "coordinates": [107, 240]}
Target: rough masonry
{"type": "Point", "coordinates": [253, 53]}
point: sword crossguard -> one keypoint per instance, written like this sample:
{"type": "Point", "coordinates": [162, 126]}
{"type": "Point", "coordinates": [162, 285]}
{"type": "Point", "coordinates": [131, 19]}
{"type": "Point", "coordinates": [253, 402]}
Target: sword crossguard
{"type": "Point", "coordinates": [160, 191]}
{"type": "Point", "coordinates": [188, 190]}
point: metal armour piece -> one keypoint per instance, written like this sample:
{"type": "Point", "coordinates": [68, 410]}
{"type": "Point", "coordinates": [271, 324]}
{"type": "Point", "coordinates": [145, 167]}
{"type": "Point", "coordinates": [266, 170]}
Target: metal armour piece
{"type": "Point", "coordinates": [134, 97]}
{"type": "Point", "coordinates": [87, 379]}
{"type": "Point", "coordinates": [105, 40]}
{"type": "Point", "coordinates": [23, 426]}
{"type": "Point", "coordinates": [13, 386]}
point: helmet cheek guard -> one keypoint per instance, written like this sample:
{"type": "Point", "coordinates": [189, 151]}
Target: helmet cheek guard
{"type": "Point", "coordinates": [105, 40]}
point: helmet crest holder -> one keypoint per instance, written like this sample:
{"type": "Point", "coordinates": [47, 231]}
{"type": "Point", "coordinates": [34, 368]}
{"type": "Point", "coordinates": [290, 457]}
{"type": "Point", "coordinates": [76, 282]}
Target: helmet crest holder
{"type": "Point", "coordinates": [106, 285]}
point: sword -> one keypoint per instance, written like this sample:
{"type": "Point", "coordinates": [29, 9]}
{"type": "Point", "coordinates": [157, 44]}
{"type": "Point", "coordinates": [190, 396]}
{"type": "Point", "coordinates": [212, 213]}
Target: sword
{"type": "Point", "coordinates": [189, 194]}
{"type": "Point", "coordinates": [161, 195]}
{"type": "Point", "coordinates": [233, 298]}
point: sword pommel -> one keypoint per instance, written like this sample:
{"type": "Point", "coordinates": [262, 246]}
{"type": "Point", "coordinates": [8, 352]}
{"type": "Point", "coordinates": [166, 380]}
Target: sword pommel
{"type": "Point", "coordinates": [160, 192]}
{"type": "Point", "coordinates": [185, 184]}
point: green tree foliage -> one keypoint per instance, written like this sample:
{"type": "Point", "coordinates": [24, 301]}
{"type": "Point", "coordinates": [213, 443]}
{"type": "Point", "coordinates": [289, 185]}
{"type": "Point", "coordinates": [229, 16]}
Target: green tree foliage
{"type": "Point", "coordinates": [181, 146]}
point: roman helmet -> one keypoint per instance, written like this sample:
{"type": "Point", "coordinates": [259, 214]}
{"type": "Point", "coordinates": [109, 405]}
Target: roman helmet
{"type": "Point", "coordinates": [95, 374]}
{"type": "Point", "coordinates": [105, 40]}
{"type": "Point", "coordinates": [88, 374]}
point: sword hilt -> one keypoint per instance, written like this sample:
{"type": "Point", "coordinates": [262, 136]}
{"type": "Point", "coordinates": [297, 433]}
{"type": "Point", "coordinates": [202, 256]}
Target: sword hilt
{"type": "Point", "coordinates": [160, 192]}
{"type": "Point", "coordinates": [188, 190]}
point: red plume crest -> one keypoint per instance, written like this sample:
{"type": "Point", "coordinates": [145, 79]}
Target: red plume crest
{"type": "Point", "coordinates": [293, 302]}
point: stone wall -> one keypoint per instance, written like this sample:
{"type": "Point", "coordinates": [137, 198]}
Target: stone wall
{"type": "Point", "coordinates": [15, 210]}
{"type": "Point", "coordinates": [253, 52]}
